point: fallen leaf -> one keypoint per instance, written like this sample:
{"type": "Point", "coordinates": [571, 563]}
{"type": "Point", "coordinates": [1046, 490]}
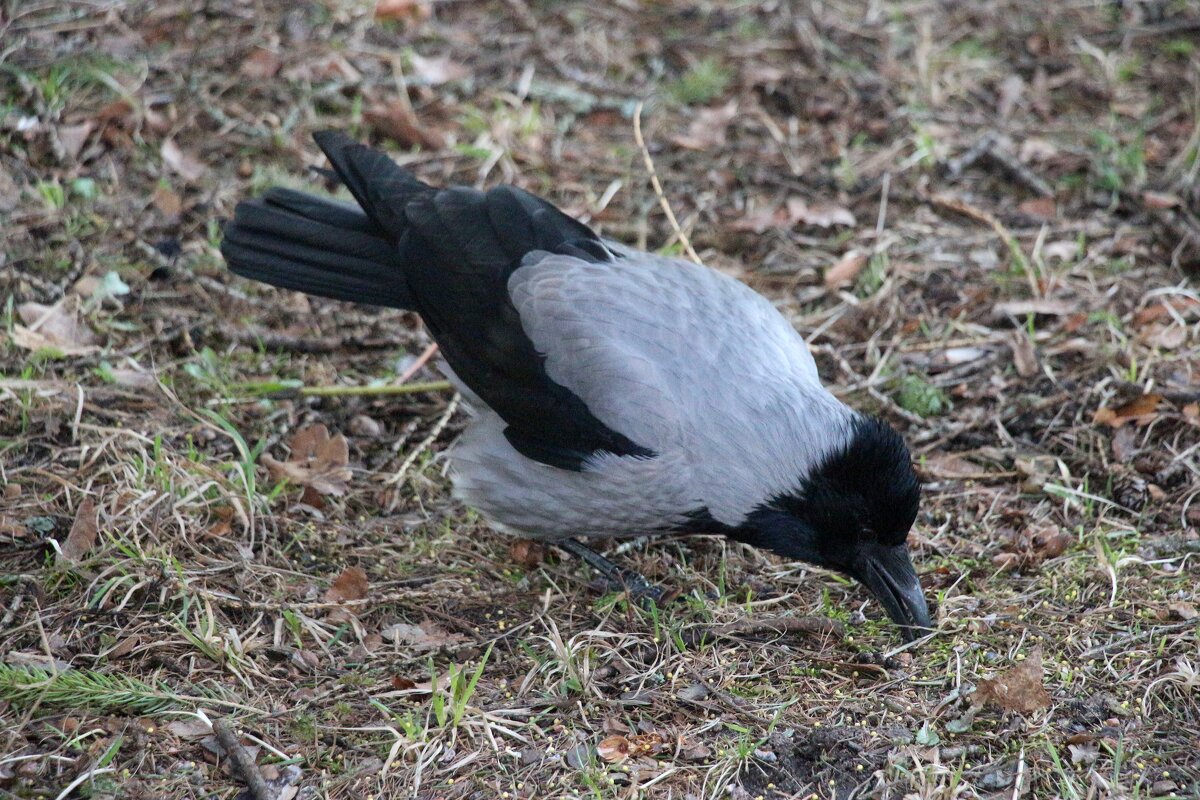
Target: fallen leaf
{"type": "Point", "coordinates": [56, 327]}
{"type": "Point", "coordinates": [527, 552]}
{"type": "Point", "coordinates": [846, 270]}
{"type": "Point", "coordinates": [437, 70]}
{"type": "Point", "coordinates": [125, 647]}
{"type": "Point", "coordinates": [1167, 337]}
{"type": "Point", "coordinates": [167, 201]}
{"type": "Point", "coordinates": [1026, 548]}
{"type": "Point", "coordinates": [707, 130]}
{"type": "Point", "coordinates": [426, 636]}
{"type": "Point", "coordinates": [1025, 358]}
{"type": "Point", "coordinates": [614, 749]}
{"type": "Point", "coordinates": [949, 466]}
{"type": "Point", "coordinates": [760, 220]}
{"type": "Point", "coordinates": [397, 121]}
{"type": "Point", "coordinates": [1141, 410]}
{"type": "Point", "coordinates": [83, 532]}
{"type": "Point", "coordinates": [184, 164]}
{"type": "Point", "coordinates": [1182, 610]}
{"type": "Point", "coordinates": [317, 461]}
{"type": "Point", "coordinates": [1011, 89]}
{"type": "Point", "coordinates": [821, 215]}
{"type": "Point", "coordinates": [1160, 200]}
{"type": "Point", "coordinates": [261, 64]}
{"type": "Point", "coordinates": [1065, 250]}
{"type": "Point", "coordinates": [1166, 308]}
{"type": "Point", "coordinates": [350, 585]}
{"type": "Point", "coordinates": [74, 137]}
{"type": "Point", "coordinates": [406, 11]}
{"type": "Point", "coordinates": [190, 728]}
{"type": "Point", "coordinates": [1043, 208]}
{"type": "Point", "coordinates": [1017, 689]}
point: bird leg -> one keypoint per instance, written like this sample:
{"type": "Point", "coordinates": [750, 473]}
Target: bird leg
{"type": "Point", "coordinates": [637, 586]}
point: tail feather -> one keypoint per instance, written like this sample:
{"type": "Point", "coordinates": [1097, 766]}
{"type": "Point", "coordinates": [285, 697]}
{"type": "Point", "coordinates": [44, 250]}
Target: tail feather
{"type": "Point", "coordinates": [299, 241]}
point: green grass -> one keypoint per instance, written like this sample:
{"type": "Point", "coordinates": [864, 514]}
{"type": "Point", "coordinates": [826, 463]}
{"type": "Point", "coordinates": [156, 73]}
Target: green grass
{"type": "Point", "coordinates": [704, 82]}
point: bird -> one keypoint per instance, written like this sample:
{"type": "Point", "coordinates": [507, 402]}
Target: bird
{"type": "Point", "coordinates": [612, 392]}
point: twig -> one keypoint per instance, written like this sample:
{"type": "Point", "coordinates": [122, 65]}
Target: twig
{"type": "Point", "coordinates": [425, 443]}
{"type": "Point", "coordinates": [241, 762]}
{"type": "Point", "coordinates": [273, 390]}
{"type": "Point", "coordinates": [988, 148]}
{"type": "Point", "coordinates": [809, 626]}
{"type": "Point", "coordinates": [658, 190]}
{"type": "Point", "coordinates": [1014, 248]}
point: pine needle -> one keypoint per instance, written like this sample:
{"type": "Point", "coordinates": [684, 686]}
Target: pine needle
{"type": "Point", "coordinates": [103, 693]}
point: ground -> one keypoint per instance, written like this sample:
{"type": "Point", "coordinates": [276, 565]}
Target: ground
{"type": "Point", "coordinates": [981, 214]}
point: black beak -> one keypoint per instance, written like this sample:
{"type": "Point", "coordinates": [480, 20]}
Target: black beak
{"type": "Point", "coordinates": [888, 573]}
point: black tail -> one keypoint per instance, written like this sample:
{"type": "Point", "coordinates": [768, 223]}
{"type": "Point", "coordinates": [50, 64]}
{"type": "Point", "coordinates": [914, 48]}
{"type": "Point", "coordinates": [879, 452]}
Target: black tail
{"type": "Point", "coordinates": [298, 241]}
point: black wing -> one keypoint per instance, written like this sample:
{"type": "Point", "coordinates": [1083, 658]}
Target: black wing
{"type": "Point", "coordinates": [458, 247]}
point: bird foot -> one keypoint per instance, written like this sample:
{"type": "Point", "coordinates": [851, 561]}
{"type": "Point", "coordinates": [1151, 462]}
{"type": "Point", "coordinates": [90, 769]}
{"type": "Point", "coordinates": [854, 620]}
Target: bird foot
{"type": "Point", "coordinates": [616, 577]}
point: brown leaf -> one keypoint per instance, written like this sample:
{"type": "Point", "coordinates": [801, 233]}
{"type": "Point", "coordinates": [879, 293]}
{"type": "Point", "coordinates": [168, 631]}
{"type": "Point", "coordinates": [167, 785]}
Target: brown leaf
{"type": "Point", "coordinates": [74, 137]}
{"type": "Point", "coordinates": [527, 552]}
{"type": "Point", "coordinates": [760, 220]}
{"type": "Point", "coordinates": [397, 121]}
{"type": "Point", "coordinates": [1165, 308]}
{"type": "Point", "coordinates": [949, 465]}
{"type": "Point", "coordinates": [846, 270]}
{"type": "Point", "coordinates": [1050, 541]}
{"type": "Point", "coordinates": [1141, 410]}
{"type": "Point", "coordinates": [317, 461]}
{"type": "Point", "coordinates": [56, 327]}
{"type": "Point", "coordinates": [821, 215]}
{"type": "Point", "coordinates": [406, 11]}
{"type": "Point", "coordinates": [437, 70]}
{"type": "Point", "coordinates": [707, 130]}
{"type": "Point", "coordinates": [426, 636]}
{"type": "Point", "coordinates": [125, 646]}
{"type": "Point", "coordinates": [1024, 355]}
{"type": "Point", "coordinates": [260, 64]}
{"type": "Point", "coordinates": [184, 164]}
{"type": "Point", "coordinates": [350, 585]}
{"type": "Point", "coordinates": [1167, 337]}
{"type": "Point", "coordinates": [1160, 200]}
{"type": "Point", "coordinates": [1043, 208]}
{"type": "Point", "coordinates": [167, 201]}
{"type": "Point", "coordinates": [614, 749]}
{"type": "Point", "coordinates": [1182, 610]}
{"type": "Point", "coordinates": [83, 533]}
{"type": "Point", "coordinates": [1017, 689]}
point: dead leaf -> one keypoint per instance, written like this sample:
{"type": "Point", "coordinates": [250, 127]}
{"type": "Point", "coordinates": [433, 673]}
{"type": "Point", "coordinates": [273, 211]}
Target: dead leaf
{"type": "Point", "coordinates": [317, 461]}
{"type": "Point", "coordinates": [1160, 200]}
{"type": "Point", "coordinates": [261, 64]}
{"type": "Point", "coordinates": [1024, 354]}
{"type": "Point", "coordinates": [1011, 89]}
{"type": "Point", "coordinates": [437, 70]}
{"type": "Point", "coordinates": [350, 585]}
{"type": "Point", "coordinates": [1043, 208]}
{"type": "Point", "coordinates": [83, 532]}
{"type": "Point", "coordinates": [615, 749]}
{"type": "Point", "coordinates": [1182, 610]}
{"type": "Point", "coordinates": [949, 466]}
{"type": "Point", "coordinates": [182, 163]}
{"type": "Point", "coordinates": [1166, 337]}
{"type": "Point", "coordinates": [125, 647]}
{"type": "Point", "coordinates": [1017, 689]}
{"type": "Point", "coordinates": [821, 215]}
{"type": "Point", "coordinates": [190, 728]}
{"type": "Point", "coordinates": [74, 137]}
{"type": "Point", "coordinates": [707, 130]}
{"type": "Point", "coordinates": [846, 270]}
{"type": "Point", "coordinates": [426, 636]}
{"type": "Point", "coordinates": [397, 121]}
{"type": "Point", "coordinates": [1066, 250]}
{"type": "Point", "coordinates": [760, 220]}
{"type": "Point", "coordinates": [1141, 410]}
{"type": "Point", "coordinates": [167, 201]}
{"type": "Point", "coordinates": [527, 552]}
{"type": "Point", "coordinates": [1026, 548]}
{"type": "Point", "coordinates": [1164, 309]}
{"type": "Point", "coordinates": [56, 327]}
{"type": "Point", "coordinates": [405, 11]}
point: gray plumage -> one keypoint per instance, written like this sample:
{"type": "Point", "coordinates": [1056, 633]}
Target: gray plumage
{"type": "Point", "coordinates": [678, 357]}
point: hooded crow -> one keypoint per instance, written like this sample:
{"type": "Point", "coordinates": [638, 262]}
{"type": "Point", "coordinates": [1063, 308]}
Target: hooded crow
{"type": "Point", "coordinates": [613, 392]}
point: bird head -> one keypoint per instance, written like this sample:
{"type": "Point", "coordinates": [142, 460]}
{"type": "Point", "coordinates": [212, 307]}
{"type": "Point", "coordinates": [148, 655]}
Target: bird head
{"type": "Point", "coordinates": [852, 514]}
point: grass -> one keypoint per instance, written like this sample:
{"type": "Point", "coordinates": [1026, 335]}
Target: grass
{"type": "Point", "coordinates": [205, 591]}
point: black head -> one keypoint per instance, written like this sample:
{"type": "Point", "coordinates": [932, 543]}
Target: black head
{"type": "Point", "coordinates": [852, 514]}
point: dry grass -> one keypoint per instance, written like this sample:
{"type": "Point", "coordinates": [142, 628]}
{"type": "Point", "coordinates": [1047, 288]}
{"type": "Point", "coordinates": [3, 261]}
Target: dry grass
{"type": "Point", "coordinates": [988, 327]}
